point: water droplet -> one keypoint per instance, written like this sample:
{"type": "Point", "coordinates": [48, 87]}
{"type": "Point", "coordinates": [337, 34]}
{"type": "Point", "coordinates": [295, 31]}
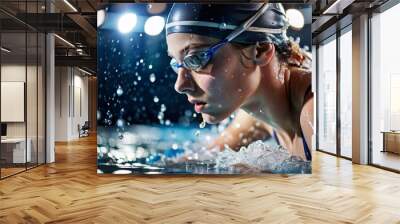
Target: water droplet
{"type": "Point", "coordinates": [120, 123]}
{"type": "Point", "coordinates": [120, 91]}
{"type": "Point", "coordinates": [222, 26]}
{"type": "Point", "coordinates": [202, 124]}
{"type": "Point", "coordinates": [188, 113]}
{"type": "Point", "coordinates": [155, 99]}
{"type": "Point", "coordinates": [141, 60]}
{"type": "Point", "coordinates": [163, 108]}
{"type": "Point", "coordinates": [150, 66]}
{"type": "Point", "coordinates": [197, 133]}
{"type": "Point", "coordinates": [152, 77]}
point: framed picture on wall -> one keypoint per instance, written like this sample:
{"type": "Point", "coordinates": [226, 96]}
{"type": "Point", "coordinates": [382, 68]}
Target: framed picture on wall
{"type": "Point", "coordinates": [12, 101]}
{"type": "Point", "coordinates": [191, 88]}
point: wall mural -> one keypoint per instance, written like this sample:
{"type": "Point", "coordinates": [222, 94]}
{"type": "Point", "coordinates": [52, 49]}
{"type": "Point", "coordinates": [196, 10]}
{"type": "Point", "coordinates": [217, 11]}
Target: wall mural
{"type": "Point", "coordinates": [190, 88]}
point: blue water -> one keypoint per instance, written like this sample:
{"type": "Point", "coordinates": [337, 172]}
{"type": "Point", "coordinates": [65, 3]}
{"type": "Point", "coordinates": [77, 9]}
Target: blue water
{"type": "Point", "coordinates": [182, 150]}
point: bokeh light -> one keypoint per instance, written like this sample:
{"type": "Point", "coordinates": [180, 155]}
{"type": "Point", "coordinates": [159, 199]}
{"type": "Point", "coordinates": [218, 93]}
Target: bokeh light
{"type": "Point", "coordinates": [127, 22]}
{"type": "Point", "coordinates": [154, 25]}
{"type": "Point", "coordinates": [296, 18]}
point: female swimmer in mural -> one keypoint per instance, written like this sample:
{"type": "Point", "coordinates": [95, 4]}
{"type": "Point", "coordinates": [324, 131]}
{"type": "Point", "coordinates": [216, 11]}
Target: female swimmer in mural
{"type": "Point", "coordinates": [238, 59]}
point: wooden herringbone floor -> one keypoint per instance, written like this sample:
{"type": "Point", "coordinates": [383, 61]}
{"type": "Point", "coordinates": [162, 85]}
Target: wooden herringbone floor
{"type": "Point", "coordinates": [70, 191]}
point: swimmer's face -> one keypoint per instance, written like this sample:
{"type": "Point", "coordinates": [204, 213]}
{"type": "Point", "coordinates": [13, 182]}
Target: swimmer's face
{"type": "Point", "coordinates": [221, 87]}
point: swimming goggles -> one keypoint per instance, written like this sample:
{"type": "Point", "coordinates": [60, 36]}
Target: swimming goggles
{"type": "Point", "coordinates": [197, 60]}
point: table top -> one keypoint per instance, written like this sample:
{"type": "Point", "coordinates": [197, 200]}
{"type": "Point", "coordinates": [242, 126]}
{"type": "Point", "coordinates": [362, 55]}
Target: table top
{"type": "Point", "coordinates": [391, 132]}
{"type": "Point", "coordinates": [13, 140]}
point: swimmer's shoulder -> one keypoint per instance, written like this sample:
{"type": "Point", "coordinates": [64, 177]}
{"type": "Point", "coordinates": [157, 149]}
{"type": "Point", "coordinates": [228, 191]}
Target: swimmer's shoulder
{"type": "Point", "coordinates": [299, 71]}
{"type": "Point", "coordinates": [301, 86]}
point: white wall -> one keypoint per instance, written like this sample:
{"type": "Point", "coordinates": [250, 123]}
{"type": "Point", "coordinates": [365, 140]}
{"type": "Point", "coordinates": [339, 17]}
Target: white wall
{"type": "Point", "coordinates": [12, 73]}
{"type": "Point", "coordinates": [61, 103]}
{"type": "Point", "coordinates": [70, 83]}
{"type": "Point", "coordinates": [16, 73]}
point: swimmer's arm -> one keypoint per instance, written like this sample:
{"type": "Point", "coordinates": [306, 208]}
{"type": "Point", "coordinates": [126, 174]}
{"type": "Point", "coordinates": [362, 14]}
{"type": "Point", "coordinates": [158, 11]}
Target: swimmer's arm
{"type": "Point", "coordinates": [243, 130]}
{"type": "Point", "coordinates": [307, 121]}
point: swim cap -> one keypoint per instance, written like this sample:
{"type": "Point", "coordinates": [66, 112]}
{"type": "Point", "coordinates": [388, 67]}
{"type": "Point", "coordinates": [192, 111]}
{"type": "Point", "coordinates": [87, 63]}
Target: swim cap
{"type": "Point", "coordinates": [219, 20]}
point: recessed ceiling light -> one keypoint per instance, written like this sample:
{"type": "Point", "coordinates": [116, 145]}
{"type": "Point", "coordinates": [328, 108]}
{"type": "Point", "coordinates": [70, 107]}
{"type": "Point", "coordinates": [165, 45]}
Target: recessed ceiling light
{"type": "Point", "coordinates": [65, 41]}
{"type": "Point", "coordinates": [70, 5]}
{"type": "Point", "coordinates": [5, 50]}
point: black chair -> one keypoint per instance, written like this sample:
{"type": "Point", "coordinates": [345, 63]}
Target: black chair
{"type": "Point", "coordinates": [84, 130]}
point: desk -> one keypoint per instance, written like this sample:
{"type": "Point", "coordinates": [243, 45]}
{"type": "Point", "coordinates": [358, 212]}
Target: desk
{"type": "Point", "coordinates": [391, 141]}
{"type": "Point", "coordinates": [16, 147]}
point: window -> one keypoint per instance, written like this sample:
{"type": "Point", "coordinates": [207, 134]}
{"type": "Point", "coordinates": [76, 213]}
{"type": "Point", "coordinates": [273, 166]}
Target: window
{"type": "Point", "coordinates": [327, 96]}
{"type": "Point", "coordinates": [346, 93]}
{"type": "Point", "coordinates": [385, 89]}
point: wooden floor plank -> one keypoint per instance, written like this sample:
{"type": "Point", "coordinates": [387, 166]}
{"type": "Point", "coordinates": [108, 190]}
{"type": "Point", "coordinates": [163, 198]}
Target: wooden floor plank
{"type": "Point", "coordinates": [70, 191]}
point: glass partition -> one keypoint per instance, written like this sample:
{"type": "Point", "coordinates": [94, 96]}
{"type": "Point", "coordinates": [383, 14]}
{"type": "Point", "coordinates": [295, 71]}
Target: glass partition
{"type": "Point", "coordinates": [22, 88]}
{"type": "Point", "coordinates": [385, 89]}
{"type": "Point", "coordinates": [327, 96]}
{"type": "Point", "coordinates": [13, 105]}
{"type": "Point", "coordinates": [346, 93]}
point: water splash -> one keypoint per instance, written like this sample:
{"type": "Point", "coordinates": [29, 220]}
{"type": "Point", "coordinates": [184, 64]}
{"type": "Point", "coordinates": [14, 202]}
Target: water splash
{"type": "Point", "coordinates": [202, 124]}
{"type": "Point", "coordinates": [262, 157]}
{"type": "Point", "coordinates": [150, 145]}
